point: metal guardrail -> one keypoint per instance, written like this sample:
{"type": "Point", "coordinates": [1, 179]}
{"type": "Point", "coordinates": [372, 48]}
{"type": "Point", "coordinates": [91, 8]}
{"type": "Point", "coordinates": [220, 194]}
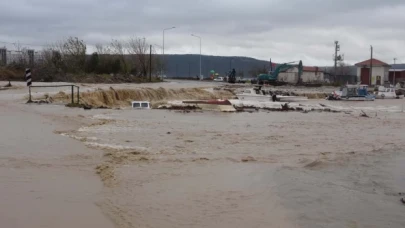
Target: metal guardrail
{"type": "Point", "coordinates": [53, 86]}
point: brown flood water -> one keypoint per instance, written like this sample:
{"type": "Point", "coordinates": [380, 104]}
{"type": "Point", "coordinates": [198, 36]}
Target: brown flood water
{"type": "Point", "coordinates": [44, 181]}
{"type": "Point", "coordinates": [202, 169]}
{"type": "Point", "coordinates": [173, 169]}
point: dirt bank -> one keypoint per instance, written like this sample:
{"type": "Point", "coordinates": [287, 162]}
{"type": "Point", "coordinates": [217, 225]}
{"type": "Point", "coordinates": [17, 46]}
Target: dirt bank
{"type": "Point", "coordinates": [123, 97]}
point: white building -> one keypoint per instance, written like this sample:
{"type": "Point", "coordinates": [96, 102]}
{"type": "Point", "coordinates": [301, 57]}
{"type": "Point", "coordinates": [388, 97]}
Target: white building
{"type": "Point", "coordinates": [380, 72]}
{"type": "Point", "coordinates": [309, 74]}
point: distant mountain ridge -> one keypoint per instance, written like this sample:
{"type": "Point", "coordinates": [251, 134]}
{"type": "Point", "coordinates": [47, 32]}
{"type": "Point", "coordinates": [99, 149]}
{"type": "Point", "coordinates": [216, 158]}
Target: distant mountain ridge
{"type": "Point", "coordinates": [188, 65]}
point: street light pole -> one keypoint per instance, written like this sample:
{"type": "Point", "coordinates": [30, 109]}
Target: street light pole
{"type": "Point", "coordinates": [395, 59]}
{"type": "Point", "coordinates": [161, 64]}
{"type": "Point", "coordinates": [371, 67]}
{"type": "Point", "coordinates": [163, 49]}
{"type": "Point", "coordinates": [200, 50]}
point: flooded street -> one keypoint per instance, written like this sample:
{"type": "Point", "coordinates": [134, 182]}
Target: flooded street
{"type": "Point", "coordinates": [302, 170]}
{"type": "Point", "coordinates": [160, 168]}
{"type": "Point", "coordinates": [44, 181]}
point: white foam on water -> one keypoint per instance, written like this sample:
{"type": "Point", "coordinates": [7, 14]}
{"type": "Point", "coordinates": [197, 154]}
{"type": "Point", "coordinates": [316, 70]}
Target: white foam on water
{"type": "Point", "coordinates": [369, 108]}
{"type": "Point", "coordinates": [84, 129]}
{"type": "Point", "coordinates": [110, 129]}
{"type": "Point", "coordinates": [276, 105]}
{"type": "Point", "coordinates": [79, 137]}
{"type": "Point", "coordinates": [102, 117]}
{"type": "Point", "coordinates": [115, 146]}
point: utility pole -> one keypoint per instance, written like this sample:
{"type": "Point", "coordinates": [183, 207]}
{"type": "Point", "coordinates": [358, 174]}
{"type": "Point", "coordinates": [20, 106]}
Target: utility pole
{"type": "Point", "coordinates": [336, 57]}
{"type": "Point", "coordinates": [271, 66]}
{"type": "Point", "coordinates": [395, 59]}
{"type": "Point", "coordinates": [371, 65]}
{"type": "Point", "coordinates": [150, 63]}
{"type": "Point", "coordinates": [163, 50]}
{"type": "Point", "coordinates": [200, 52]}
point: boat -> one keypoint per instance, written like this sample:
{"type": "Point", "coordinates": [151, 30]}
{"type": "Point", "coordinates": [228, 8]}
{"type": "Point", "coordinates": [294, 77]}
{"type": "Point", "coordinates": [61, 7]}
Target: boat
{"type": "Point", "coordinates": [387, 93]}
{"type": "Point", "coordinates": [219, 79]}
{"type": "Point", "coordinates": [355, 93]}
{"type": "Point", "coordinates": [254, 94]}
{"type": "Point", "coordinates": [335, 95]}
{"type": "Point", "coordinates": [257, 94]}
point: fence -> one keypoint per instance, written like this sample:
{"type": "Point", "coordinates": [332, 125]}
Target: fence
{"type": "Point", "coordinates": [342, 79]}
{"type": "Point", "coordinates": [53, 86]}
{"type": "Point", "coordinates": [26, 57]}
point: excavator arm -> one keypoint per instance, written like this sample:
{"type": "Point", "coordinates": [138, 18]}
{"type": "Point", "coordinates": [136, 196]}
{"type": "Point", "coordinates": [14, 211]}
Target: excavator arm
{"type": "Point", "coordinates": [273, 76]}
{"type": "Point", "coordinates": [300, 70]}
{"type": "Point", "coordinates": [285, 66]}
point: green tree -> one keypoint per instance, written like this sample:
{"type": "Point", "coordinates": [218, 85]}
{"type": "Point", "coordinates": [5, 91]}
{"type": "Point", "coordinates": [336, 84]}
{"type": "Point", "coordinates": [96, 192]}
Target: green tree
{"type": "Point", "coordinates": [116, 66]}
{"type": "Point", "coordinates": [92, 63]}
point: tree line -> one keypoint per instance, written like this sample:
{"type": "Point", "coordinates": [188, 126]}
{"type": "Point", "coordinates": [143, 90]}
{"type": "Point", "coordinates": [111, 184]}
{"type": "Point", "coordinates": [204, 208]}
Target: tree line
{"type": "Point", "coordinates": [130, 58]}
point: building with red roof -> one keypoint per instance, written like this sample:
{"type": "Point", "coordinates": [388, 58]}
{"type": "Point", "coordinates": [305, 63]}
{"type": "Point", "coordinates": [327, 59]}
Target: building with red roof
{"type": "Point", "coordinates": [379, 72]}
{"type": "Point", "coordinates": [397, 73]}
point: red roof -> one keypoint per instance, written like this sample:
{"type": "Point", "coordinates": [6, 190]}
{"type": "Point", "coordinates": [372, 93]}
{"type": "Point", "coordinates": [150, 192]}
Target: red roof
{"type": "Point", "coordinates": [312, 69]}
{"type": "Point", "coordinates": [375, 62]}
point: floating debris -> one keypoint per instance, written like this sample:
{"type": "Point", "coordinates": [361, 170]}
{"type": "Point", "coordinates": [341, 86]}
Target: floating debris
{"type": "Point", "coordinates": [248, 159]}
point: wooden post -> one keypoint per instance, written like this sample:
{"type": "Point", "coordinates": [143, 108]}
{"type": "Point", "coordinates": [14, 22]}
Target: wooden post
{"type": "Point", "coordinates": [29, 88]}
{"type": "Point", "coordinates": [72, 95]}
{"type": "Point", "coordinates": [371, 67]}
{"type": "Point", "coordinates": [150, 64]}
{"type": "Point", "coordinates": [78, 95]}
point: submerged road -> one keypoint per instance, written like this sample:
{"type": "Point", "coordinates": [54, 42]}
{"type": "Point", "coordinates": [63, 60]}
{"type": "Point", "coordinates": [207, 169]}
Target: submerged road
{"type": "Point", "coordinates": [44, 181]}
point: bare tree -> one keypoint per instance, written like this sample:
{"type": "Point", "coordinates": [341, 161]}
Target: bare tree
{"type": "Point", "coordinates": [343, 68]}
{"type": "Point", "coordinates": [119, 50]}
{"type": "Point", "coordinates": [103, 50]}
{"type": "Point", "coordinates": [64, 56]}
{"type": "Point", "coordinates": [74, 53]}
{"type": "Point", "coordinates": [20, 59]}
{"type": "Point", "coordinates": [138, 48]}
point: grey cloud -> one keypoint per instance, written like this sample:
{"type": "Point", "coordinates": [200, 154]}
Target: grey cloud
{"type": "Point", "coordinates": [280, 29]}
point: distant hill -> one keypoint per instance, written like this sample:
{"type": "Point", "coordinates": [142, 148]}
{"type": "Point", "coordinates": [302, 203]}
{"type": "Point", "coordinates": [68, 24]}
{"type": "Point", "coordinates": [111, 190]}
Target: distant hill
{"type": "Point", "coordinates": [398, 66]}
{"type": "Point", "coordinates": [189, 65]}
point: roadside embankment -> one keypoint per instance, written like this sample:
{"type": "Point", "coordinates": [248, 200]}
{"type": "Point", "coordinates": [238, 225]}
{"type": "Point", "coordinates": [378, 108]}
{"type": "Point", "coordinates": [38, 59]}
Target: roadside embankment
{"type": "Point", "coordinates": [123, 97]}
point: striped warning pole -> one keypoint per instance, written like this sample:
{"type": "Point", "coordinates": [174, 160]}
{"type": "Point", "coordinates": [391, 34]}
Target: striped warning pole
{"type": "Point", "coordinates": [28, 76]}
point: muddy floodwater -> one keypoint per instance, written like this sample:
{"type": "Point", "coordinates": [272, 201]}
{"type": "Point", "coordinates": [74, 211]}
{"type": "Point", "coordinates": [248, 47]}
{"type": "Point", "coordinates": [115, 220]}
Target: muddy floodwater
{"type": "Point", "coordinates": [159, 168]}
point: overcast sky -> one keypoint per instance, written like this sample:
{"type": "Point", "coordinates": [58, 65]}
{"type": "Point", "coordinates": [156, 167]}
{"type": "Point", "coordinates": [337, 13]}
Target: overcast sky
{"type": "Point", "coordinates": [284, 30]}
